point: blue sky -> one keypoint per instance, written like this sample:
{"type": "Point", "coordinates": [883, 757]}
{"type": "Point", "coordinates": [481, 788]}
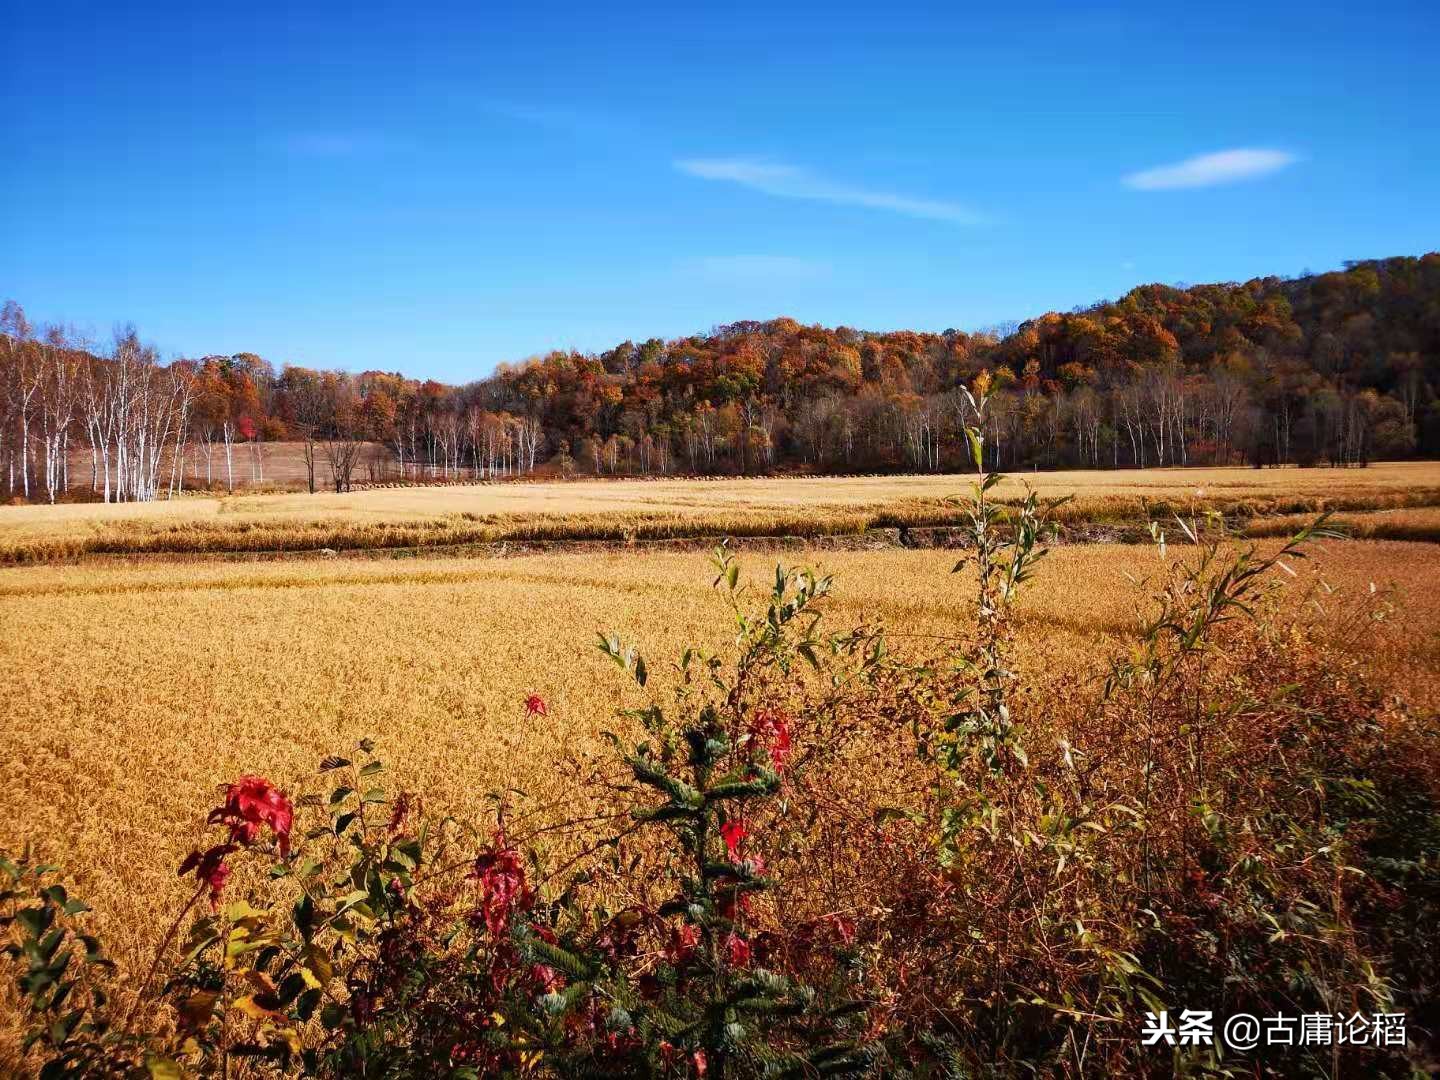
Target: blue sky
{"type": "Point", "coordinates": [435, 189]}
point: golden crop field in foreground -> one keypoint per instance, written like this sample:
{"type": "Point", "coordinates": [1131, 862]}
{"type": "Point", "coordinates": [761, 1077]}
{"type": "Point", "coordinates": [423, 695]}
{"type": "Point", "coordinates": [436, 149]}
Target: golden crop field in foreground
{"type": "Point", "coordinates": [131, 691]}
{"type": "Point", "coordinates": [624, 509]}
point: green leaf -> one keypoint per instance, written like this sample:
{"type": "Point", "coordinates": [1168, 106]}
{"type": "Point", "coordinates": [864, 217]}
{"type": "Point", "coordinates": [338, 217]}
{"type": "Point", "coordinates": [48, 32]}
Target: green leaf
{"type": "Point", "coordinates": [305, 1004]}
{"type": "Point", "coordinates": [56, 894]}
{"type": "Point", "coordinates": [35, 920]}
{"type": "Point", "coordinates": [572, 964]}
{"type": "Point", "coordinates": [886, 814]}
{"type": "Point", "coordinates": [972, 435]}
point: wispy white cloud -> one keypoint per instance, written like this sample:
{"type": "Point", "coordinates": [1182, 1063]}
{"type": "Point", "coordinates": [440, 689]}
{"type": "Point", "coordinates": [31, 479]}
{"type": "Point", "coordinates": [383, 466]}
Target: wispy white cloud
{"type": "Point", "coordinates": [532, 114]}
{"type": "Point", "coordinates": [758, 268]}
{"type": "Point", "coordinates": [793, 182]}
{"type": "Point", "coordinates": [564, 120]}
{"type": "Point", "coordinates": [1208, 170]}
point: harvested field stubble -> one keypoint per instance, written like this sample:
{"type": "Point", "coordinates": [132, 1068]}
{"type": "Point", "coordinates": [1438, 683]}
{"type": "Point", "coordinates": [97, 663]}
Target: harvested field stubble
{"type": "Point", "coordinates": [664, 509]}
{"type": "Point", "coordinates": [131, 691]}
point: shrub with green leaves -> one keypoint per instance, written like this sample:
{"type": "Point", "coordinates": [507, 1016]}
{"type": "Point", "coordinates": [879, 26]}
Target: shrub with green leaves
{"type": "Point", "coordinates": [63, 977]}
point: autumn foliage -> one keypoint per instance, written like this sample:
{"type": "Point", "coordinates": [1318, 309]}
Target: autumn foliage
{"type": "Point", "coordinates": [1336, 368]}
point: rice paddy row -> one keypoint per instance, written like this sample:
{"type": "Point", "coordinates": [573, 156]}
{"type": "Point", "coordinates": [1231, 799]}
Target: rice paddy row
{"type": "Point", "coordinates": [417, 519]}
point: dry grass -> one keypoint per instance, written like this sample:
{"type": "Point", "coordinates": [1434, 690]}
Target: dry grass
{"type": "Point", "coordinates": [132, 690]}
{"type": "Point", "coordinates": [1406, 523]}
{"type": "Point", "coordinates": [609, 510]}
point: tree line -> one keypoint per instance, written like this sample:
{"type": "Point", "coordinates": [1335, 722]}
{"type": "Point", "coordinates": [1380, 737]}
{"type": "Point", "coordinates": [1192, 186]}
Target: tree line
{"type": "Point", "coordinates": [1337, 368]}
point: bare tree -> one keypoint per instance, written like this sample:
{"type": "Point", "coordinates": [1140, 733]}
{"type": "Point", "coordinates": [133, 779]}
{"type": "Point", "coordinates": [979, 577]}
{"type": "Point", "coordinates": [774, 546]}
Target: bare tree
{"type": "Point", "coordinates": [26, 374]}
{"type": "Point", "coordinates": [529, 437]}
{"type": "Point", "coordinates": [343, 436]}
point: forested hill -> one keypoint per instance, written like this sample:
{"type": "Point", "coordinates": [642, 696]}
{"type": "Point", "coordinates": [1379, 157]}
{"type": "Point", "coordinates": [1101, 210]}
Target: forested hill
{"type": "Point", "coordinates": [1337, 367]}
{"type": "Point", "coordinates": [1341, 366]}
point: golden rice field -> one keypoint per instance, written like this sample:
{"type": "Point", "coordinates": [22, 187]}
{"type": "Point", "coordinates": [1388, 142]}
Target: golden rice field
{"type": "Point", "coordinates": [131, 691]}
{"type": "Point", "coordinates": [132, 688]}
{"type": "Point", "coordinates": [418, 517]}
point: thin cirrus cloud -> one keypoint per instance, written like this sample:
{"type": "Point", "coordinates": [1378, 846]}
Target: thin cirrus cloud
{"type": "Point", "coordinates": [566, 121]}
{"type": "Point", "coordinates": [1210, 170]}
{"type": "Point", "coordinates": [793, 182]}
